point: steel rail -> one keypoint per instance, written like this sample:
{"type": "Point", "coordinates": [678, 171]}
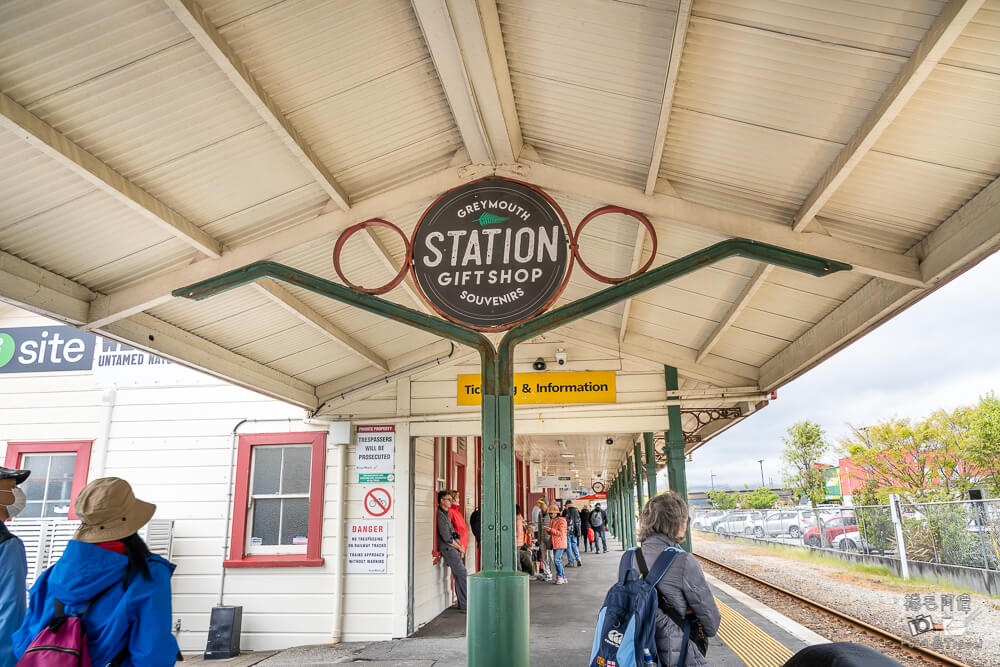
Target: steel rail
{"type": "Point", "coordinates": [885, 634]}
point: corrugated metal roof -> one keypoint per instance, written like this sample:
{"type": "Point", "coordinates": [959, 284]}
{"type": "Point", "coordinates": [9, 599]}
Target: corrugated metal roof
{"type": "Point", "coordinates": [978, 47]}
{"type": "Point", "coordinates": [588, 81]}
{"type": "Point", "coordinates": [892, 202]}
{"type": "Point", "coordinates": [890, 26]}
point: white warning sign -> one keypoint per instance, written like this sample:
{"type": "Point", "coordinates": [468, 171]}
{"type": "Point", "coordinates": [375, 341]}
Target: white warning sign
{"type": "Point", "coordinates": [376, 453]}
{"type": "Point", "coordinates": [367, 547]}
{"type": "Point", "coordinates": [377, 502]}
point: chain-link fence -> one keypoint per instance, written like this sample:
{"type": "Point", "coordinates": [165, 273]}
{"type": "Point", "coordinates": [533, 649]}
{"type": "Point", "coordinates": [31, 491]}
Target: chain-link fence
{"type": "Point", "coordinates": [963, 533]}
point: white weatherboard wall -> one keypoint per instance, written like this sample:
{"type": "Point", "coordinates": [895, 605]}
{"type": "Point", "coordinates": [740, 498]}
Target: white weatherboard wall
{"type": "Point", "coordinates": [174, 445]}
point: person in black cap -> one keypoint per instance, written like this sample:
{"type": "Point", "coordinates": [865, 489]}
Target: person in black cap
{"type": "Point", "coordinates": [13, 563]}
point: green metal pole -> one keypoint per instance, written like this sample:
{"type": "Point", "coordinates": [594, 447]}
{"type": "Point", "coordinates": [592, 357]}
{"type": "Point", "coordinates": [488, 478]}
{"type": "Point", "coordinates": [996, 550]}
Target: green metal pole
{"type": "Point", "coordinates": [637, 456]}
{"type": "Point", "coordinates": [616, 514]}
{"type": "Point", "coordinates": [676, 472]}
{"type": "Point", "coordinates": [647, 439]}
{"type": "Point", "coordinates": [630, 500]}
{"type": "Point", "coordinates": [612, 500]}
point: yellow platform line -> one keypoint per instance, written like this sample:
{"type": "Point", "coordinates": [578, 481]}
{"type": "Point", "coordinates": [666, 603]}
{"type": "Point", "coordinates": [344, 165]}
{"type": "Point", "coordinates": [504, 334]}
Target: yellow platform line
{"type": "Point", "coordinates": [752, 645]}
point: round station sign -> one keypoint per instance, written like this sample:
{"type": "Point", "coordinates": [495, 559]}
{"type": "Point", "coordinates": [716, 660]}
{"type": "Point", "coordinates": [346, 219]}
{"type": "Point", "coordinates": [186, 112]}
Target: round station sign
{"type": "Point", "coordinates": [491, 253]}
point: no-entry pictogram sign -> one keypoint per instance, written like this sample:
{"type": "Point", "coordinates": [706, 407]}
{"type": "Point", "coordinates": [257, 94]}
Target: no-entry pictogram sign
{"type": "Point", "coordinates": [378, 502]}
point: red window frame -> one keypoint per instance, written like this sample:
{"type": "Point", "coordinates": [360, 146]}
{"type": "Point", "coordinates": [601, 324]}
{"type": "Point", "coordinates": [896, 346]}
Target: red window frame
{"type": "Point", "coordinates": [238, 556]}
{"type": "Point", "coordinates": [17, 450]}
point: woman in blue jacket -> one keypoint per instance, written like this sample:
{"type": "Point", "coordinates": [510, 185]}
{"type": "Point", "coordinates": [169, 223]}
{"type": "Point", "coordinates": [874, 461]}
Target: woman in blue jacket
{"type": "Point", "coordinates": [110, 568]}
{"type": "Point", "coordinates": [13, 562]}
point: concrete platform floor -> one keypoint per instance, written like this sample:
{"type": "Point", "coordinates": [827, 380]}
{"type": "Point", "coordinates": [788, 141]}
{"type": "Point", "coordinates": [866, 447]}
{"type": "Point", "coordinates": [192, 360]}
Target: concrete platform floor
{"type": "Point", "coordinates": [562, 627]}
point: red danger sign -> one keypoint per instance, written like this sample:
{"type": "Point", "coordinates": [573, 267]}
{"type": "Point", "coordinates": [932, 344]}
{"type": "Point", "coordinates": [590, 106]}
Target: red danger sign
{"type": "Point", "coordinates": [378, 502]}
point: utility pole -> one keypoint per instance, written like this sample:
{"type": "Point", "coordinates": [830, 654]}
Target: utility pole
{"type": "Point", "coordinates": [713, 475]}
{"type": "Point", "coordinates": [761, 462]}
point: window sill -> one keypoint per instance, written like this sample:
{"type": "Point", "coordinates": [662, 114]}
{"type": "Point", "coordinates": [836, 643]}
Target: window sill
{"type": "Point", "coordinates": [274, 561]}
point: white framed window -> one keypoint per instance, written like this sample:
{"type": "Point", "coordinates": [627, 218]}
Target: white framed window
{"type": "Point", "coordinates": [278, 512]}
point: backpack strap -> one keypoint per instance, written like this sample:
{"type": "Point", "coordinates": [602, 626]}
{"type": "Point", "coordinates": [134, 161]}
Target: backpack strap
{"type": "Point", "coordinates": [660, 567]}
{"type": "Point", "coordinates": [625, 566]}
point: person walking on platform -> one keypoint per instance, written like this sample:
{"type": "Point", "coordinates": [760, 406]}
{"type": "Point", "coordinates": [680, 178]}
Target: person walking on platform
{"type": "Point", "coordinates": [545, 542]}
{"type": "Point", "coordinates": [585, 526]}
{"type": "Point", "coordinates": [13, 563]}
{"type": "Point", "coordinates": [599, 522]}
{"type": "Point", "coordinates": [557, 531]}
{"type": "Point", "coordinates": [450, 547]}
{"type": "Point", "coordinates": [574, 526]}
{"type": "Point", "coordinates": [683, 589]}
{"type": "Point", "coordinates": [540, 509]}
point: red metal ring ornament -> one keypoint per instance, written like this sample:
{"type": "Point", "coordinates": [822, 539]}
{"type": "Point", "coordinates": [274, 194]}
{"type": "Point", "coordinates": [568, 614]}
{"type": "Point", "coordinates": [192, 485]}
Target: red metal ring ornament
{"type": "Point", "coordinates": [374, 222]}
{"type": "Point", "coordinates": [602, 211]}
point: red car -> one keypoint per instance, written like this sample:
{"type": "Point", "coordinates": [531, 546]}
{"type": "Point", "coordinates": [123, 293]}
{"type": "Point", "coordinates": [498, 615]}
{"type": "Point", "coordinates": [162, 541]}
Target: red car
{"type": "Point", "coordinates": [838, 525]}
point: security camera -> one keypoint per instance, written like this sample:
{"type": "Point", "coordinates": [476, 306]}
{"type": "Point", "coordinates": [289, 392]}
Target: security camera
{"type": "Point", "coordinates": [539, 364]}
{"type": "Point", "coordinates": [561, 357]}
{"type": "Point", "coordinates": [609, 441]}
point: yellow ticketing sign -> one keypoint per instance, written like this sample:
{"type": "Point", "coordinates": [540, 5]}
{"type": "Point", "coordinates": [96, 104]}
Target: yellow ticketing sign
{"type": "Point", "coordinates": [543, 388]}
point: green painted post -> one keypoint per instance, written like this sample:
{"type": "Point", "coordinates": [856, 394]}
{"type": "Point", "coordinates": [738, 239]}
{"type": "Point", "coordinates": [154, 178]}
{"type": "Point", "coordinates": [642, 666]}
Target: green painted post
{"type": "Point", "coordinates": [612, 501]}
{"type": "Point", "coordinates": [676, 472]}
{"type": "Point", "coordinates": [647, 439]}
{"type": "Point", "coordinates": [629, 501]}
{"type": "Point", "coordinates": [637, 456]}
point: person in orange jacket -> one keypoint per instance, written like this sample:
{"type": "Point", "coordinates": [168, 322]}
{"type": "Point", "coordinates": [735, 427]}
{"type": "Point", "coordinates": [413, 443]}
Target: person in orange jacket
{"type": "Point", "coordinates": [457, 517]}
{"type": "Point", "coordinates": [557, 530]}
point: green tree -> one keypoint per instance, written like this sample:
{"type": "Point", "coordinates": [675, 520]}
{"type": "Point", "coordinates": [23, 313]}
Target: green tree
{"type": "Point", "coordinates": [760, 498]}
{"type": "Point", "coordinates": [983, 448]}
{"type": "Point", "coordinates": [724, 501]}
{"type": "Point", "coordinates": [805, 444]}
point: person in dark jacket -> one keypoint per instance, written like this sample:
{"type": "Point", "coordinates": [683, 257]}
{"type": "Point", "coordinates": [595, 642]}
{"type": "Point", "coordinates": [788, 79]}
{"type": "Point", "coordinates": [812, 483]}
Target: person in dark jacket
{"type": "Point", "coordinates": [599, 522]}
{"type": "Point", "coordinates": [450, 547]}
{"type": "Point", "coordinates": [475, 525]}
{"type": "Point", "coordinates": [585, 526]}
{"type": "Point", "coordinates": [662, 525]}
{"type": "Point", "coordinates": [573, 534]}
{"type": "Point", "coordinates": [108, 567]}
{"type": "Point", "coordinates": [13, 563]}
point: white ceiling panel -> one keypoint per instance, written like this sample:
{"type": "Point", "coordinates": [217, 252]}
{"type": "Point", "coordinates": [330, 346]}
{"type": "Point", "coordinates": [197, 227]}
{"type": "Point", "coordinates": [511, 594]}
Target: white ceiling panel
{"type": "Point", "coordinates": [978, 47]}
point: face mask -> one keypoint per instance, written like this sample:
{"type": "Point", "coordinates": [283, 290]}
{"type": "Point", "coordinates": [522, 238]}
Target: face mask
{"type": "Point", "coordinates": [19, 502]}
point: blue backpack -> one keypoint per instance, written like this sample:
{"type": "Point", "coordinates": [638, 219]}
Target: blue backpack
{"type": "Point", "coordinates": [626, 626]}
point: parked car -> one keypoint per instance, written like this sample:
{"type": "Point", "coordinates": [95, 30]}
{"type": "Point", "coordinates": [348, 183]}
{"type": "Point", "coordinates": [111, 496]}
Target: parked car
{"type": "Point", "coordinates": [741, 522]}
{"type": "Point", "coordinates": [838, 525]}
{"type": "Point", "coordinates": [787, 522]}
{"type": "Point", "coordinates": [851, 541]}
{"type": "Point", "coordinates": [702, 519]}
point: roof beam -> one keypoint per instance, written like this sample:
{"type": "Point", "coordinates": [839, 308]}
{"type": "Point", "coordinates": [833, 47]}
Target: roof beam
{"type": "Point", "coordinates": [640, 240]}
{"type": "Point", "coordinates": [280, 295]}
{"type": "Point", "coordinates": [604, 338]}
{"type": "Point", "coordinates": [669, 86]}
{"type": "Point", "coordinates": [155, 291]}
{"type": "Point", "coordinates": [30, 287]}
{"type": "Point", "coordinates": [939, 38]}
{"type": "Point", "coordinates": [33, 288]}
{"type": "Point", "coordinates": [742, 301]}
{"type": "Point", "coordinates": [56, 145]}
{"type": "Point", "coordinates": [864, 259]}
{"type": "Point", "coordinates": [222, 54]}
{"type": "Point", "coordinates": [969, 235]}
{"type": "Point", "coordinates": [466, 46]}
{"type": "Point", "coordinates": [394, 267]}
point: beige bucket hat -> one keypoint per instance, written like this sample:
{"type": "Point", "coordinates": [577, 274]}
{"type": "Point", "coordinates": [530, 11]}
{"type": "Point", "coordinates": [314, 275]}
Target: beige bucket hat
{"type": "Point", "coordinates": [110, 511]}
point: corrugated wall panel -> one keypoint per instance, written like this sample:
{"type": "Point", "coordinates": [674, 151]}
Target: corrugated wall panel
{"type": "Point", "coordinates": [893, 26]}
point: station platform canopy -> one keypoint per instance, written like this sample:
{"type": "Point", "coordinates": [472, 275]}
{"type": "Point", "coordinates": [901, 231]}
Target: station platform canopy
{"type": "Point", "coordinates": [149, 145]}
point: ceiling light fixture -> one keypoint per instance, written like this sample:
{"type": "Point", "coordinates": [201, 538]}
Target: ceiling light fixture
{"type": "Point", "coordinates": [566, 455]}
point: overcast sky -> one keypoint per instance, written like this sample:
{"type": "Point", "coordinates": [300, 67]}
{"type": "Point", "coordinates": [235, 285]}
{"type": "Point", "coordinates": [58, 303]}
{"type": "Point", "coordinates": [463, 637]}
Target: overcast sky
{"type": "Point", "coordinates": [942, 352]}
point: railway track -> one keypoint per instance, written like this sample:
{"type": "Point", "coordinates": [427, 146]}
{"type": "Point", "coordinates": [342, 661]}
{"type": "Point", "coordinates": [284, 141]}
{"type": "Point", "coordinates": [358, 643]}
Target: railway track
{"type": "Point", "coordinates": [824, 620]}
